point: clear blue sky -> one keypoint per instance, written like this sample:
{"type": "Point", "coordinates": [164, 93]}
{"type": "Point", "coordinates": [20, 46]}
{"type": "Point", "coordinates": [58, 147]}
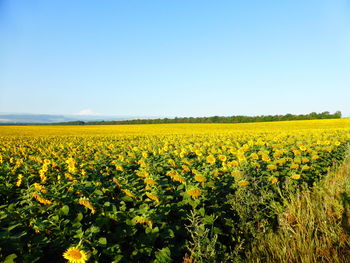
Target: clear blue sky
{"type": "Point", "coordinates": [174, 58]}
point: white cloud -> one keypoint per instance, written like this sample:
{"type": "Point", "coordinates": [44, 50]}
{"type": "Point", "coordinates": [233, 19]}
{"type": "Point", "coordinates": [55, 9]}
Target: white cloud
{"type": "Point", "coordinates": [86, 112]}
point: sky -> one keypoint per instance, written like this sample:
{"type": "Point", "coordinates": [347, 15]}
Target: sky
{"type": "Point", "coordinates": [174, 58]}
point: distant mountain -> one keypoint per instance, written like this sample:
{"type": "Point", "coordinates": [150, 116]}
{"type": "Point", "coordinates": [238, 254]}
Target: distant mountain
{"type": "Point", "coordinates": [14, 118]}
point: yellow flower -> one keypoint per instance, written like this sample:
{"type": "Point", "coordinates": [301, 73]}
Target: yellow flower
{"type": "Point", "coordinates": [294, 166]}
{"type": "Point", "coordinates": [236, 173]}
{"type": "Point", "coordinates": [200, 178]}
{"type": "Point", "coordinates": [19, 180]}
{"type": "Point", "coordinates": [178, 178]}
{"type": "Point", "coordinates": [243, 183]}
{"type": "Point", "coordinates": [297, 160]}
{"type": "Point", "coordinates": [241, 157]}
{"type": "Point", "coordinates": [295, 176]}
{"type": "Point", "coordinates": [40, 188]}
{"type": "Point", "coordinates": [222, 157]}
{"type": "Point", "coordinates": [305, 167]}
{"type": "Point", "coordinates": [216, 172]}
{"type": "Point", "coordinates": [210, 159]}
{"type": "Point", "coordinates": [315, 157]}
{"type": "Point", "coordinates": [42, 175]}
{"type": "Point", "coordinates": [128, 193]}
{"type": "Point", "coordinates": [254, 156]}
{"type": "Point", "coordinates": [305, 160]}
{"type": "Point", "coordinates": [272, 167]}
{"type": "Point", "coordinates": [142, 163]}
{"type": "Point", "coordinates": [85, 202]}
{"type": "Point", "coordinates": [281, 161]}
{"type": "Point", "coordinates": [265, 158]}
{"type": "Point", "coordinates": [172, 162]}
{"type": "Point", "coordinates": [198, 153]}
{"type": "Point", "coordinates": [142, 174]}
{"type": "Point", "coordinates": [302, 148]}
{"type": "Point", "coordinates": [149, 181]}
{"type": "Point", "coordinates": [153, 197]}
{"type": "Point", "coordinates": [194, 193]}
{"type": "Point", "coordinates": [119, 167]}
{"type": "Point", "coordinates": [273, 180]}
{"type": "Point", "coordinates": [71, 165]}
{"type": "Point", "coordinates": [41, 200]}
{"type": "Point", "coordinates": [116, 182]}
{"type": "Point", "coordinates": [143, 220]}
{"type": "Point", "coordinates": [233, 164]}
{"type": "Point", "coordinates": [75, 255]}
{"type": "Point", "coordinates": [296, 152]}
{"type": "Point", "coordinates": [185, 169]}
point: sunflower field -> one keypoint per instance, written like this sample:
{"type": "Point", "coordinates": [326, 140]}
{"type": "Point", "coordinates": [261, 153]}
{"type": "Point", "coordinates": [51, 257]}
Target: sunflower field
{"type": "Point", "coordinates": [142, 193]}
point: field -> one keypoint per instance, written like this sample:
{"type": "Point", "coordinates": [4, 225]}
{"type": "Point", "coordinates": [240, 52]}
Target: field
{"type": "Point", "coordinates": [154, 193]}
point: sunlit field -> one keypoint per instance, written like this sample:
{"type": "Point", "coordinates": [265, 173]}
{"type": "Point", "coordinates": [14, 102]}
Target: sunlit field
{"type": "Point", "coordinates": [168, 129]}
{"type": "Point", "coordinates": [130, 193]}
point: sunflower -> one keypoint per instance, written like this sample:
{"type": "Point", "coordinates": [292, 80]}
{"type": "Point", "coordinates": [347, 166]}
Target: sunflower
{"type": "Point", "coordinates": [85, 202]}
{"type": "Point", "coordinates": [243, 183]}
{"type": "Point", "coordinates": [222, 158]}
{"type": "Point", "coordinates": [153, 197]}
{"type": "Point", "coordinates": [295, 176]}
{"type": "Point", "coordinates": [294, 166]}
{"type": "Point", "coordinates": [254, 156]}
{"type": "Point", "coordinates": [200, 178]}
{"type": "Point", "coordinates": [194, 193]}
{"type": "Point", "coordinates": [272, 167]}
{"type": "Point", "coordinates": [210, 159]}
{"type": "Point", "coordinates": [273, 180]}
{"type": "Point", "coordinates": [149, 181]}
{"type": "Point", "coordinates": [75, 255]}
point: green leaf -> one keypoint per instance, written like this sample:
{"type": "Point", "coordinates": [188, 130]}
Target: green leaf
{"type": "Point", "coordinates": [94, 229]}
{"type": "Point", "coordinates": [79, 233]}
{"type": "Point", "coordinates": [202, 211]}
{"type": "Point", "coordinates": [79, 217]}
{"type": "Point", "coordinates": [163, 256]}
{"type": "Point", "coordinates": [14, 226]}
{"type": "Point", "coordinates": [102, 240]}
{"type": "Point", "coordinates": [117, 258]}
{"type": "Point", "coordinates": [180, 187]}
{"type": "Point", "coordinates": [65, 210]}
{"type": "Point", "coordinates": [10, 258]}
{"type": "Point", "coordinates": [98, 192]}
{"type": "Point", "coordinates": [209, 220]}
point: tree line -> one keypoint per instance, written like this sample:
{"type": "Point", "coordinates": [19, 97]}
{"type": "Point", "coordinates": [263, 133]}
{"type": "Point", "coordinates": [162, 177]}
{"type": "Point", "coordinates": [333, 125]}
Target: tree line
{"type": "Point", "coordinates": [222, 119]}
{"type": "Point", "coordinates": [213, 119]}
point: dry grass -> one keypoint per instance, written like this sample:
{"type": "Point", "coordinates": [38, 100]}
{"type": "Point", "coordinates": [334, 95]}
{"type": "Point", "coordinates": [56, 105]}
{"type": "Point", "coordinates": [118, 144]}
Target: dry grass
{"type": "Point", "coordinates": [314, 224]}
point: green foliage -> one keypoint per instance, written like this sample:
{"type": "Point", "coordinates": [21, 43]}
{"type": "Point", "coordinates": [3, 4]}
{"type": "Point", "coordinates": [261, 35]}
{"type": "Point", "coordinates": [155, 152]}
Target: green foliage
{"type": "Point", "coordinates": [202, 244]}
{"type": "Point", "coordinates": [222, 119]}
{"type": "Point", "coordinates": [92, 192]}
{"type": "Point", "coordinates": [213, 119]}
{"type": "Point", "coordinates": [313, 224]}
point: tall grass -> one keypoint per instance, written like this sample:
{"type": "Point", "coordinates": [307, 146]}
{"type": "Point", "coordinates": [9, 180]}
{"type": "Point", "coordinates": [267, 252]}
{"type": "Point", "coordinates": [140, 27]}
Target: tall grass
{"type": "Point", "coordinates": [314, 224]}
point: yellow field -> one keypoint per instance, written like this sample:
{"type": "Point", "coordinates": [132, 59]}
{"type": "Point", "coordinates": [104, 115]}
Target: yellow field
{"type": "Point", "coordinates": [162, 129]}
{"type": "Point", "coordinates": [108, 187]}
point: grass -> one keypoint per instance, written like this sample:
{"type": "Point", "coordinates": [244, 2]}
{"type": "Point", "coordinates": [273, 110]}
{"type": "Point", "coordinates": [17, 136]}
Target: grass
{"type": "Point", "coordinates": [314, 224]}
